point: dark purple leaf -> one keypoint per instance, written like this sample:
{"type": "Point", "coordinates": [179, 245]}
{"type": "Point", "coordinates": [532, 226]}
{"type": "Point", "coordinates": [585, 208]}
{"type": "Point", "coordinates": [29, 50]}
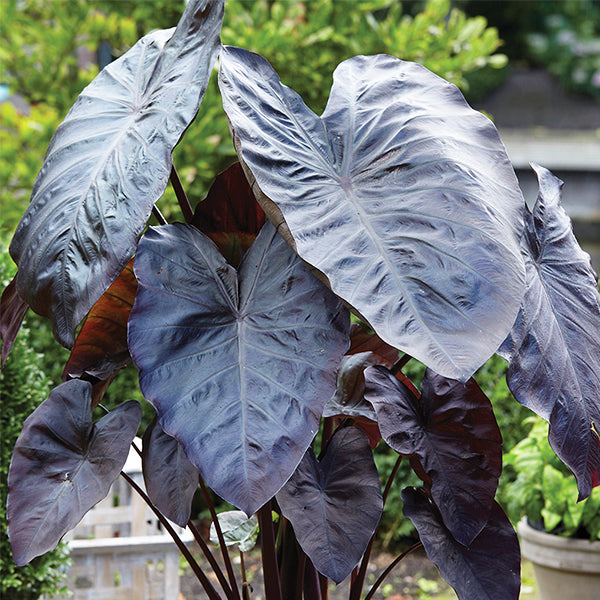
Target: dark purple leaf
{"type": "Point", "coordinates": [489, 569]}
{"type": "Point", "coordinates": [554, 347]}
{"type": "Point", "coordinates": [400, 194]}
{"type": "Point", "coordinates": [101, 345]}
{"type": "Point", "coordinates": [107, 164]}
{"type": "Point", "coordinates": [230, 215]}
{"type": "Point", "coordinates": [239, 365]}
{"type": "Point", "coordinates": [12, 312]}
{"type": "Point", "coordinates": [453, 433]}
{"type": "Point", "coordinates": [62, 465]}
{"type": "Point", "coordinates": [362, 340]}
{"type": "Point", "coordinates": [335, 505]}
{"type": "Point", "coordinates": [170, 478]}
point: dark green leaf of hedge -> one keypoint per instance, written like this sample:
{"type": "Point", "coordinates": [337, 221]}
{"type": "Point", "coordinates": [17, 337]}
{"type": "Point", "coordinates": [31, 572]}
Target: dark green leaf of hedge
{"type": "Point", "coordinates": [170, 478]}
{"type": "Point", "coordinates": [452, 431]}
{"type": "Point", "coordinates": [62, 465]}
{"type": "Point", "coordinates": [101, 345]}
{"type": "Point", "coordinates": [554, 347]}
{"type": "Point", "coordinates": [230, 215]}
{"type": "Point", "coordinates": [489, 569]}
{"type": "Point", "coordinates": [12, 312]}
{"type": "Point", "coordinates": [335, 505]}
{"type": "Point", "coordinates": [238, 364]}
{"type": "Point", "coordinates": [400, 194]}
{"type": "Point", "coordinates": [107, 164]}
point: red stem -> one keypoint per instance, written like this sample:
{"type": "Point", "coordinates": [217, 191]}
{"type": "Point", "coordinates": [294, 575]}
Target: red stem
{"type": "Point", "coordinates": [269, 555]}
{"type": "Point", "coordinates": [184, 203]}
{"type": "Point", "coordinates": [226, 559]}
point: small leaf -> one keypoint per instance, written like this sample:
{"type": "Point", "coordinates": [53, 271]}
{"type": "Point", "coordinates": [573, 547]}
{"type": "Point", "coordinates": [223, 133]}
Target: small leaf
{"type": "Point", "coordinates": [400, 194]}
{"type": "Point", "coordinates": [489, 569]}
{"type": "Point", "coordinates": [101, 345]}
{"type": "Point", "coordinates": [107, 164]}
{"type": "Point", "coordinates": [12, 312]}
{"type": "Point", "coordinates": [452, 431]}
{"type": "Point", "coordinates": [170, 478]}
{"type": "Point", "coordinates": [244, 368]}
{"type": "Point", "coordinates": [230, 215]}
{"type": "Point", "coordinates": [237, 529]}
{"type": "Point", "coordinates": [62, 465]}
{"type": "Point", "coordinates": [554, 346]}
{"type": "Point", "coordinates": [335, 505]}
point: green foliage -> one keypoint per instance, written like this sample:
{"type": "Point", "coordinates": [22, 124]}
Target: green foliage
{"type": "Point", "coordinates": [545, 490]}
{"type": "Point", "coordinates": [22, 387]}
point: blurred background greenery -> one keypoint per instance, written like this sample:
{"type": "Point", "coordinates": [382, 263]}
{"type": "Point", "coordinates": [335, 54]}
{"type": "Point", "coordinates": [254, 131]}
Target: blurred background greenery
{"type": "Point", "coordinates": [51, 49]}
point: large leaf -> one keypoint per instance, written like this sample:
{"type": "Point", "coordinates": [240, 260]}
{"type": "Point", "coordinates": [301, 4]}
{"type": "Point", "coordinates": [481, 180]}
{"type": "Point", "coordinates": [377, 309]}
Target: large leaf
{"type": "Point", "coordinates": [489, 569]}
{"type": "Point", "coordinates": [12, 312]}
{"type": "Point", "coordinates": [335, 505]}
{"type": "Point", "coordinates": [554, 347]}
{"type": "Point", "coordinates": [101, 345]}
{"type": "Point", "coordinates": [170, 478]}
{"type": "Point", "coordinates": [452, 431]}
{"type": "Point", "coordinates": [230, 215]}
{"type": "Point", "coordinates": [107, 164]}
{"type": "Point", "coordinates": [62, 465]}
{"type": "Point", "coordinates": [400, 194]}
{"type": "Point", "coordinates": [238, 364]}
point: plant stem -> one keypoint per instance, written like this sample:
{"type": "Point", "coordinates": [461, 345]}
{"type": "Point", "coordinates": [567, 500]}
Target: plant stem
{"type": "Point", "coordinates": [359, 581]}
{"type": "Point", "coordinates": [389, 569]}
{"type": "Point", "coordinates": [269, 556]}
{"type": "Point", "coordinates": [184, 203]}
{"type": "Point", "coordinates": [211, 559]}
{"type": "Point", "coordinates": [400, 363]}
{"type": "Point", "coordinates": [245, 584]}
{"type": "Point", "coordinates": [159, 216]}
{"type": "Point", "coordinates": [206, 584]}
{"type": "Point", "coordinates": [226, 559]}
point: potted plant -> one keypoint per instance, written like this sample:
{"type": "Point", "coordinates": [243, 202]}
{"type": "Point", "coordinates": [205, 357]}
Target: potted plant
{"type": "Point", "coordinates": [560, 535]}
{"type": "Point", "coordinates": [399, 205]}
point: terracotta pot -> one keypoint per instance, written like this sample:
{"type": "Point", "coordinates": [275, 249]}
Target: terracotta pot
{"type": "Point", "coordinates": [564, 567]}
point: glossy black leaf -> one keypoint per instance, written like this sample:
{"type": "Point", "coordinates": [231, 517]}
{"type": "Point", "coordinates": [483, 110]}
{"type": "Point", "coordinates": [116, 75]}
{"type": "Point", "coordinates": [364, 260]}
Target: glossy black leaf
{"type": "Point", "coordinates": [489, 569]}
{"type": "Point", "coordinates": [12, 312]}
{"type": "Point", "coordinates": [107, 164]}
{"type": "Point", "coordinates": [335, 505]}
{"type": "Point", "coordinates": [453, 433]}
{"type": "Point", "coordinates": [400, 194]}
{"type": "Point", "coordinates": [62, 465]}
{"type": "Point", "coordinates": [238, 364]}
{"type": "Point", "coordinates": [554, 346]}
{"type": "Point", "coordinates": [170, 478]}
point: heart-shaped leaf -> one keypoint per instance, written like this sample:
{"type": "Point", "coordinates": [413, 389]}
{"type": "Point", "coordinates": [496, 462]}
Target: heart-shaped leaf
{"type": "Point", "coordinates": [489, 569]}
{"type": "Point", "coordinates": [12, 312]}
{"type": "Point", "coordinates": [170, 478]}
{"type": "Point", "coordinates": [62, 465]}
{"type": "Point", "coordinates": [230, 215]}
{"type": "Point", "coordinates": [335, 505]}
{"type": "Point", "coordinates": [101, 345]}
{"type": "Point", "coordinates": [554, 346]}
{"type": "Point", "coordinates": [237, 529]}
{"type": "Point", "coordinates": [452, 431]}
{"type": "Point", "coordinates": [107, 164]}
{"type": "Point", "coordinates": [237, 368]}
{"type": "Point", "coordinates": [362, 340]}
{"type": "Point", "coordinates": [400, 194]}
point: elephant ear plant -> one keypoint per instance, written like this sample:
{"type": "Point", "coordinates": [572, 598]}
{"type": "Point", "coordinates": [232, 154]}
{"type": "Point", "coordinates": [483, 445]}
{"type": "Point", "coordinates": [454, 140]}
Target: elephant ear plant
{"type": "Point", "coordinates": [398, 205]}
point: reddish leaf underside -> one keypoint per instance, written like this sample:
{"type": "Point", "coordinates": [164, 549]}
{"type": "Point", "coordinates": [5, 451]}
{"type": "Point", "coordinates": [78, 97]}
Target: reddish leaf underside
{"type": "Point", "coordinates": [12, 312]}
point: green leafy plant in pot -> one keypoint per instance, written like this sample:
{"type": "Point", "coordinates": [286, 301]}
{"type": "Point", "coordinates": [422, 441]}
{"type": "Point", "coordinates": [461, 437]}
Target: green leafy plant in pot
{"type": "Point", "coordinates": [398, 204]}
{"type": "Point", "coordinates": [560, 533]}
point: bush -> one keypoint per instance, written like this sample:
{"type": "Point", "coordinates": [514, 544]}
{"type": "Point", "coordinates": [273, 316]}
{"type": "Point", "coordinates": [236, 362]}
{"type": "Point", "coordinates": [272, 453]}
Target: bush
{"type": "Point", "coordinates": [22, 387]}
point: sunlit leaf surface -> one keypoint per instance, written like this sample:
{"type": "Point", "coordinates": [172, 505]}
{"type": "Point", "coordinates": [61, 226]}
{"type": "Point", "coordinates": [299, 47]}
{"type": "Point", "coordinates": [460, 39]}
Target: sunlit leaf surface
{"type": "Point", "coordinates": [237, 367]}
{"type": "Point", "coordinates": [400, 194]}
{"type": "Point", "coordinates": [107, 164]}
{"type": "Point", "coordinates": [554, 347]}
